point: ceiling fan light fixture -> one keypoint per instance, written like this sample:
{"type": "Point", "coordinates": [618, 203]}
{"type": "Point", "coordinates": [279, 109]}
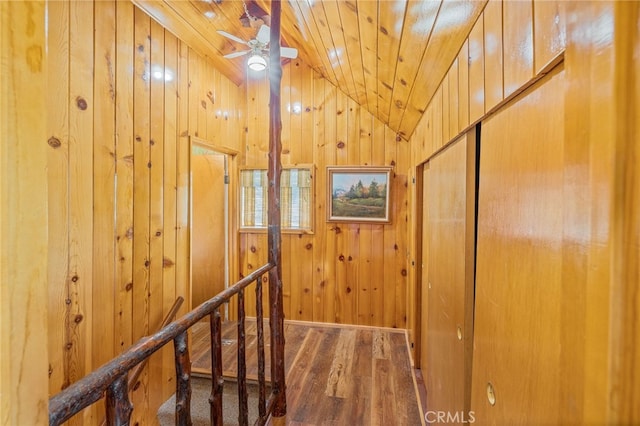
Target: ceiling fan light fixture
{"type": "Point", "coordinates": [256, 62]}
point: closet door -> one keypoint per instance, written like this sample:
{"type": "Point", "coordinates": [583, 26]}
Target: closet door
{"type": "Point", "coordinates": [448, 298]}
{"type": "Point", "coordinates": [517, 365]}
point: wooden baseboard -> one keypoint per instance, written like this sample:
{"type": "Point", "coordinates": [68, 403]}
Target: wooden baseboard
{"type": "Point", "coordinates": [334, 325]}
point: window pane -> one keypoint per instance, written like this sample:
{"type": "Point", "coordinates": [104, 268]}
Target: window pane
{"type": "Point", "coordinates": [259, 207]}
{"type": "Point", "coordinates": [295, 207]}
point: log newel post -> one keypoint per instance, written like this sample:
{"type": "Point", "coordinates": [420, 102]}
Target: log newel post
{"type": "Point", "coordinates": [183, 382]}
{"type": "Point", "coordinates": [119, 407]}
{"type": "Point", "coordinates": [276, 309]}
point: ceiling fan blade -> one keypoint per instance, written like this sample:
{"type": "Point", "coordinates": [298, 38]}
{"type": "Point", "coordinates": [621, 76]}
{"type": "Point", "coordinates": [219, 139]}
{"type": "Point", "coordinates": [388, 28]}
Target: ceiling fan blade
{"type": "Point", "coordinates": [236, 54]}
{"type": "Point", "coordinates": [231, 36]}
{"type": "Point", "coordinates": [264, 34]}
{"type": "Point", "coordinates": [288, 52]}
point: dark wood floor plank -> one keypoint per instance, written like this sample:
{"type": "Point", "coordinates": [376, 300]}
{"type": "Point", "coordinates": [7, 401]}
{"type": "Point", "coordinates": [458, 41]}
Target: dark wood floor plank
{"type": "Point", "coordinates": [294, 335]}
{"type": "Point", "coordinates": [362, 357]}
{"type": "Point", "coordinates": [300, 374]}
{"type": "Point", "coordinates": [308, 390]}
{"type": "Point", "coordinates": [402, 379]}
{"type": "Point", "coordinates": [383, 404]}
{"type": "Point", "coordinates": [357, 410]}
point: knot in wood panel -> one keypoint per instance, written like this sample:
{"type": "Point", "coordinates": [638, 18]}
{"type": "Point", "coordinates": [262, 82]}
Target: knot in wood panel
{"type": "Point", "coordinates": [54, 142]}
{"type": "Point", "coordinates": [81, 103]}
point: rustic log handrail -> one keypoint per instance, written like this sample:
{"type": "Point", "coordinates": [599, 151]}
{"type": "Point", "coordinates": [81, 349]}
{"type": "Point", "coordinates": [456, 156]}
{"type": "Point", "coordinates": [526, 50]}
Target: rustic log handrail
{"type": "Point", "coordinates": [93, 386]}
{"type": "Point", "coordinates": [135, 373]}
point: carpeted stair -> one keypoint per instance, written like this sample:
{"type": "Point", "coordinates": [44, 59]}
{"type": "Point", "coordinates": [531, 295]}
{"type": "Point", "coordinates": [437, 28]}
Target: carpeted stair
{"type": "Point", "coordinates": [200, 408]}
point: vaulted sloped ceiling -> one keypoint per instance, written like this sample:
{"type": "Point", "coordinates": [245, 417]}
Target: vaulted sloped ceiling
{"type": "Point", "coordinates": [388, 55]}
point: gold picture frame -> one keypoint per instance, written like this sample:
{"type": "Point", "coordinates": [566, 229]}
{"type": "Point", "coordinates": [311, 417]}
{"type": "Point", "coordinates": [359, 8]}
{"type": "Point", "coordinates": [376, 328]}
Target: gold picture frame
{"type": "Point", "coordinates": [358, 194]}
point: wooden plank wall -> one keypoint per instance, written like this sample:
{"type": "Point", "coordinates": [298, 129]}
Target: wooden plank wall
{"type": "Point", "coordinates": [125, 95]}
{"type": "Point", "coordinates": [342, 272]}
{"type": "Point", "coordinates": [475, 84]}
{"type": "Point", "coordinates": [555, 342]}
{"type": "Point", "coordinates": [600, 216]}
{"type": "Point", "coordinates": [625, 349]}
{"type": "Point", "coordinates": [23, 215]}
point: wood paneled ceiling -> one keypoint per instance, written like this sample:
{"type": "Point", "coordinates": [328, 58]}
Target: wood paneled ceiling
{"type": "Point", "coordinates": [388, 55]}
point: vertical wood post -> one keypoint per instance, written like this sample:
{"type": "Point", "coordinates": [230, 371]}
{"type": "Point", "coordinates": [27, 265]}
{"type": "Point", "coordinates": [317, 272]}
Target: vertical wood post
{"type": "Point", "coordinates": [262, 394]}
{"type": "Point", "coordinates": [243, 411]}
{"type": "Point", "coordinates": [183, 382]}
{"type": "Point", "coordinates": [217, 381]}
{"type": "Point", "coordinates": [275, 149]}
{"type": "Point", "coordinates": [119, 407]}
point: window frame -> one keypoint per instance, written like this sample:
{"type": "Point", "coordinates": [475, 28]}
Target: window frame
{"type": "Point", "coordinates": [263, 229]}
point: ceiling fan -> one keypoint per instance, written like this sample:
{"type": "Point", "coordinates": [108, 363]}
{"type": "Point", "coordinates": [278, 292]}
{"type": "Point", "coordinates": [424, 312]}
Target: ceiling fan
{"type": "Point", "coordinates": [258, 48]}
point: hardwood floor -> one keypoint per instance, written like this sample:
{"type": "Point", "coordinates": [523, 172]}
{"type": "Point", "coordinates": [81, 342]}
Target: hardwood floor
{"type": "Point", "coordinates": [336, 375]}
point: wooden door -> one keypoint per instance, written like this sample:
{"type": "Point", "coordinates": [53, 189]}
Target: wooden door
{"type": "Point", "coordinates": [208, 236]}
{"type": "Point", "coordinates": [517, 374]}
{"type": "Point", "coordinates": [448, 238]}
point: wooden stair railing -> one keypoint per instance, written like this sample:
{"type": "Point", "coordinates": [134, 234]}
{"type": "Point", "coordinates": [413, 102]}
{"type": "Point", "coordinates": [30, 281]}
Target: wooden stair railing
{"type": "Point", "coordinates": [112, 377]}
{"type": "Point", "coordinates": [135, 373]}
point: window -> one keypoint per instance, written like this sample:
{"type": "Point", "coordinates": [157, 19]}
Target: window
{"type": "Point", "coordinates": [296, 201]}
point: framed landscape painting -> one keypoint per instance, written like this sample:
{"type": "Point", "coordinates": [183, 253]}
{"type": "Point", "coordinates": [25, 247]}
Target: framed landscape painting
{"type": "Point", "coordinates": [358, 194]}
